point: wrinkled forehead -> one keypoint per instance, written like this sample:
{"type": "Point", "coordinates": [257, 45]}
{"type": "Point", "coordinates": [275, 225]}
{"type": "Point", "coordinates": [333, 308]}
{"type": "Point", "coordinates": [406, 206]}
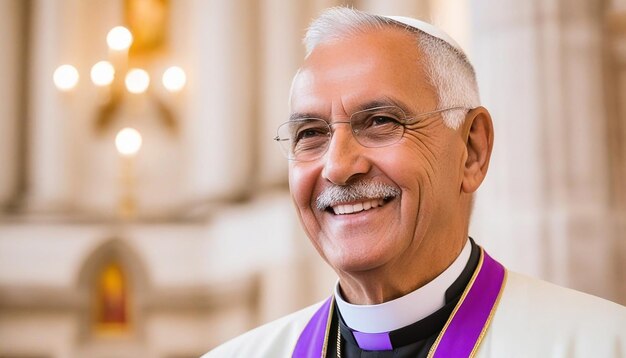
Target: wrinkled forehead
{"type": "Point", "coordinates": [341, 74]}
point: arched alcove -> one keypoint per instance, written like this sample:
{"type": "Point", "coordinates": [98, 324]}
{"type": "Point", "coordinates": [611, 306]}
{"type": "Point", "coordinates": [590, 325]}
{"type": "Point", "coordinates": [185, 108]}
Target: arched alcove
{"type": "Point", "coordinates": [113, 282]}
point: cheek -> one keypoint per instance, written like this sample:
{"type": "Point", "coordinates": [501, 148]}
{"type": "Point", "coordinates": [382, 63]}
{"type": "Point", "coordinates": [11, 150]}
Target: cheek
{"type": "Point", "coordinates": [302, 181]}
{"type": "Point", "coordinates": [415, 170]}
{"type": "Point", "coordinates": [409, 168]}
{"type": "Point", "coordinates": [436, 161]}
{"type": "Point", "coordinates": [301, 185]}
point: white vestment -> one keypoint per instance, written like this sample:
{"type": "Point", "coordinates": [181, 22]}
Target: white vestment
{"type": "Point", "coordinates": [533, 319]}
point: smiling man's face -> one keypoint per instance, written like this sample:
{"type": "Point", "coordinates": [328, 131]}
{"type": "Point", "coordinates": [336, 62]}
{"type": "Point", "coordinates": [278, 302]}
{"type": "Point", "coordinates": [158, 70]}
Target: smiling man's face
{"type": "Point", "coordinates": [424, 168]}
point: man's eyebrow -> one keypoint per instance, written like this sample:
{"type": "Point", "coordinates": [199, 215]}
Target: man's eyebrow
{"type": "Point", "coordinates": [301, 115]}
{"type": "Point", "coordinates": [378, 102]}
{"type": "Point", "coordinates": [382, 102]}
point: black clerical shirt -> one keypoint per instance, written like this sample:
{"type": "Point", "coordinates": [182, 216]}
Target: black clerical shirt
{"type": "Point", "coordinates": [414, 340]}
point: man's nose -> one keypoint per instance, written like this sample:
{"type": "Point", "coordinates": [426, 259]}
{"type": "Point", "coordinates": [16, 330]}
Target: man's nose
{"type": "Point", "coordinates": [344, 159]}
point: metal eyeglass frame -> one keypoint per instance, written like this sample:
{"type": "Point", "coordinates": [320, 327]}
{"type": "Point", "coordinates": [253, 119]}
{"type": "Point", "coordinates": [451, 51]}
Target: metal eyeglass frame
{"type": "Point", "coordinates": [407, 121]}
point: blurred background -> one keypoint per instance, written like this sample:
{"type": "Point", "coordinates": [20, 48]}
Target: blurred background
{"type": "Point", "coordinates": [144, 208]}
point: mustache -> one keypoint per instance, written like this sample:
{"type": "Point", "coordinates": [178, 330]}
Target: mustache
{"type": "Point", "coordinates": [358, 191]}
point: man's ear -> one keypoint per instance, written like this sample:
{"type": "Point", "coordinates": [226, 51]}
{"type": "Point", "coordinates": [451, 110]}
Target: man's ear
{"type": "Point", "coordinates": [478, 135]}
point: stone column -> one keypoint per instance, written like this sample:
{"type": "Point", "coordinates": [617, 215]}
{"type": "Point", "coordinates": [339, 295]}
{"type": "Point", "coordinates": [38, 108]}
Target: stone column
{"type": "Point", "coordinates": [11, 18]}
{"type": "Point", "coordinates": [590, 226]}
{"type": "Point", "coordinates": [615, 75]}
{"type": "Point", "coordinates": [508, 213]}
{"type": "Point", "coordinates": [218, 132]}
{"type": "Point", "coordinates": [48, 180]}
{"type": "Point", "coordinates": [280, 53]}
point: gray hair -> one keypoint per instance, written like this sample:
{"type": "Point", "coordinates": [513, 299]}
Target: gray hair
{"type": "Point", "coordinates": [447, 68]}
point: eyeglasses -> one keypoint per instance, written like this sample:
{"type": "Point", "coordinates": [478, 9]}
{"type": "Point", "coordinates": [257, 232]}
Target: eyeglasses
{"type": "Point", "coordinates": [307, 139]}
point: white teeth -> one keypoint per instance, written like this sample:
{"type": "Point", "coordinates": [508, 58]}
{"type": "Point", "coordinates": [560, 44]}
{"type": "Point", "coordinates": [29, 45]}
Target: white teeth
{"type": "Point", "coordinates": [355, 208]}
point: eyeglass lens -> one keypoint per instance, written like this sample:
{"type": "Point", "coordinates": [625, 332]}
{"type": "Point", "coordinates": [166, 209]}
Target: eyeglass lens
{"type": "Point", "coordinates": [308, 138]}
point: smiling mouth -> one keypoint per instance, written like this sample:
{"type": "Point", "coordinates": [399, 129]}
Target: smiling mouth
{"type": "Point", "coordinates": [344, 209]}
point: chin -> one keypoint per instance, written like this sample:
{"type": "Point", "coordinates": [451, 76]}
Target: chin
{"type": "Point", "coordinates": [352, 263]}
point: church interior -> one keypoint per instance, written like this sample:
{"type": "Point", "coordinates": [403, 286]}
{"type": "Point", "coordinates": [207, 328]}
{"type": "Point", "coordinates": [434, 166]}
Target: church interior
{"type": "Point", "coordinates": [145, 209]}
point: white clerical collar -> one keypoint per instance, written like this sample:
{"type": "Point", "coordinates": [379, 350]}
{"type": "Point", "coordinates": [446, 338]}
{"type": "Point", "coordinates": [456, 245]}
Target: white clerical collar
{"type": "Point", "coordinates": [405, 310]}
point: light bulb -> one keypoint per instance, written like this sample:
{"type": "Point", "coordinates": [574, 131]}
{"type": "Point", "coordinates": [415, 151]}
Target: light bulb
{"type": "Point", "coordinates": [174, 79]}
{"type": "Point", "coordinates": [65, 77]}
{"type": "Point", "coordinates": [128, 141]}
{"type": "Point", "coordinates": [119, 38]}
{"type": "Point", "coordinates": [102, 73]}
{"type": "Point", "coordinates": [137, 80]}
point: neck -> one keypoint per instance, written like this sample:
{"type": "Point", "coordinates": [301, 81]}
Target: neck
{"type": "Point", "coordinates": [402, 276]}
{"type": "Point", "coordinates": [407, 309]}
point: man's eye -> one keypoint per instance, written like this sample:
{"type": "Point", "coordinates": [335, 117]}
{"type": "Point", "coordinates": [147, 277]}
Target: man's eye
{"type": "Point", "coordinates": [379, 121]}
{"type": "Point", "coordinates": [310, 133]}
{"type": "Point", "coordinates": [382, 120]}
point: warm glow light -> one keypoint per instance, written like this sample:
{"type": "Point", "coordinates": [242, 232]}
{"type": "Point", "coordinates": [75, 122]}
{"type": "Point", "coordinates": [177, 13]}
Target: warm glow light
{"type": "Point", "coordinates": [102, 73]}
{"type": "Point", "coordinates": [65, 77]}
{"type": "Point", "coordinates": [137, 80]}
{"type": "Point", "coordinates": [119, 38]}
{"type": "Point", "coordinates": [128, 141]}
{"type": "Point", "coordinates": [174, 79]}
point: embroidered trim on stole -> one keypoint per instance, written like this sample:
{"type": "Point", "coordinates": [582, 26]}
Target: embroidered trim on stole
{"type": "Point", "coordinates": [468, 323]}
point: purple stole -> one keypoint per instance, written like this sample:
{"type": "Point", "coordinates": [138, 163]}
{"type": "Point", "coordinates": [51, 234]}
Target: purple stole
{"type": "Point", "coordinates": [462, 333]}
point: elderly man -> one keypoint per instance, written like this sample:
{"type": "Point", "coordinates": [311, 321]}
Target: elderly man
{"type": "Point", "coordinates": [387, 142]}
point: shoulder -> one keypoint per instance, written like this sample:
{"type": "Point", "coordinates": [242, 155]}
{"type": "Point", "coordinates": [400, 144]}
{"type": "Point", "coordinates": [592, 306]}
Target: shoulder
{"type": "Point", "coordinates": [536, 318]}
{"type": "Point", "coordinates": [556, 301]}
{"type": "Point", "coordinates": [274, 339]}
